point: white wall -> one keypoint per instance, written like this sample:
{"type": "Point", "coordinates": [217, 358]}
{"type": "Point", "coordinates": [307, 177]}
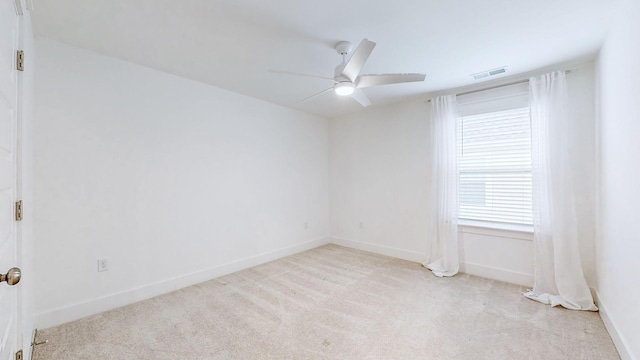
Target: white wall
{"type": "Point", "coordinates": [378, 177]}
{"type": "Point", "coordinates": [618, 240]}
{"type": "Point", "coordinates": [173, 181]}
{"type": "Point", "coordinates": [379, 161]}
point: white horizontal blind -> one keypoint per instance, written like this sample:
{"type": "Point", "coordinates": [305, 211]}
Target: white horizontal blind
{"type": "Point", "coordinates": [494, 167]}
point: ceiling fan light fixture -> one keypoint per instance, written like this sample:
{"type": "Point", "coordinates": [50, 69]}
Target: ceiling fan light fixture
{"type": "Point", "coordinates": [344, 88]}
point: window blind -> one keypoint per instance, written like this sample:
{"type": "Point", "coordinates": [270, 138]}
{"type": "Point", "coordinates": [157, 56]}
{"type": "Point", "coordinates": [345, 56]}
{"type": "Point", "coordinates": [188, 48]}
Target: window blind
{"type": "Point", "coordinates": [494, 167]}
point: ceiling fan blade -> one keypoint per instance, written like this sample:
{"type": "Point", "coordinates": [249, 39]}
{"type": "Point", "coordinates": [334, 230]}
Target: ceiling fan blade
{"type": "Point", "coordinates": [359, 96]}
{"type": "Point", "coordinates": [300, 74]}
{"type": "Point", "coordinates": [385, 79]}
{"type": "Point", "coordinates": [357, 60]}
{"type": "Point", "coordinates": [314, 95]}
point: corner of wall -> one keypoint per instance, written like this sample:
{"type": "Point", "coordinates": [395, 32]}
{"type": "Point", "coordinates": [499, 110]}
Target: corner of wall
{"type": "Point", "coordinates": [621, 345]}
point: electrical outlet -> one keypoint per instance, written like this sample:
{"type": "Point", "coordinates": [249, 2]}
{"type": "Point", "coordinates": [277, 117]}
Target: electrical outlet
{"type": "Point", "coordinates": [361, 225]}
{"type": "Point", "coordinates": [103, 265]}
{"type": "Point", "coordinates": [306, 225]}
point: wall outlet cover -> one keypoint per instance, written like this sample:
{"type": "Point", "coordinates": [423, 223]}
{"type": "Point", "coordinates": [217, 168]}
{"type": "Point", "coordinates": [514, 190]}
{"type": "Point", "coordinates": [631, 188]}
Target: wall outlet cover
{"type": "Point", "coordinates": [103, 265]}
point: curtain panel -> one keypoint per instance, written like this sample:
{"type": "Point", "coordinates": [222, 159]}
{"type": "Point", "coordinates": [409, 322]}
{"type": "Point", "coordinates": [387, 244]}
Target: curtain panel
{"type": "Point", "coordinates": [442, 251]}
{"type": "Point", "coordinates": [558, 279]}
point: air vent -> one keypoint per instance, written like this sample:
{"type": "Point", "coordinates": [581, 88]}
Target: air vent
{"type": "Point", "coordinates": [487, 73]}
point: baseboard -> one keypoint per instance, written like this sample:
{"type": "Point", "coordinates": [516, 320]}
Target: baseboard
{"type": "Point", "coordinates": [489, 272]}
{"type": "Point", "coordinates": [378, 249]}
{"type": "Point", "coordinates": [95, 306]}
{"type": "Point", "coordinates": [618, 341]}
{"type": "Point", "coordinates": [468, 268]}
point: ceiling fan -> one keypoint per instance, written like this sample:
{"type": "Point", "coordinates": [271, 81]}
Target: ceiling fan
{"type": "Point", "coordinates": [347, 78]}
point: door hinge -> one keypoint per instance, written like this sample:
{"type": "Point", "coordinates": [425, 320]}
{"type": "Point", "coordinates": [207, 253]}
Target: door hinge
{"type": "Point", "coordinates": [19, 210]}
{"type": "Point", "coordinates": [19, 355]}
{"type": "Point", "coordinates": [20, 60]}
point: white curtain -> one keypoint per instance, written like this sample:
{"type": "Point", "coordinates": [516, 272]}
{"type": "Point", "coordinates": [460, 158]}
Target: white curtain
{"type": "Point", "coordinates": [559, 279]}
{"type": "Point", "coordinates": [442, 252]}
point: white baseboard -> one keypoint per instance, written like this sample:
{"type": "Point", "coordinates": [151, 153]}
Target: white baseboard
{"type": "Point", "coordinates": [489, 272]}
{"type": "Point", "coordinates": [379, 249]}
{"type": "Point", "coordinates": [95, 306]}
{"type": "Point", "coordinates": [619, 342]}
{"type": "Point", "coordinates": [468, 268]}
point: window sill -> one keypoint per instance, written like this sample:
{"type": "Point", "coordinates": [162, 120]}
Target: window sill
{"type": "Point", "coordinates": [523, 232]}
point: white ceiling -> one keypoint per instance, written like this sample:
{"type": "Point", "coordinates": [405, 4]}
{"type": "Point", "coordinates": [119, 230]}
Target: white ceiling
{"type": "Point", "coordinates": [233, 43]}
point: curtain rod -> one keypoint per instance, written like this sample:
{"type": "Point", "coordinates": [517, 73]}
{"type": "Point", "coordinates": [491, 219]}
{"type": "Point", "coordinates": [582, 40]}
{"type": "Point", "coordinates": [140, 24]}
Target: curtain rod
{"type": "Point", "coordinates": [494, 87]}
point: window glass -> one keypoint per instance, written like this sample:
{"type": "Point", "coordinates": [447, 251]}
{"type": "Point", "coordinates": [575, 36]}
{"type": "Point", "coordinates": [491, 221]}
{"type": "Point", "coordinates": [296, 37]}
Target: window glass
{"type": "Point", "coordinates": [494, 167]}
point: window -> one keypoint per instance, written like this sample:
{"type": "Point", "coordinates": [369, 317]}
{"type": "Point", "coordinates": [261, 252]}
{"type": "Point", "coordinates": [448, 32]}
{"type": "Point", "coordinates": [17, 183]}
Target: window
{"type": "Point", "coordinates": [494, 167]}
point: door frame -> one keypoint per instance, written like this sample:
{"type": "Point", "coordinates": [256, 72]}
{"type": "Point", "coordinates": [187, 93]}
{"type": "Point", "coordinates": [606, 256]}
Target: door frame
{"type": "Point", "coordinates": [25, 329]}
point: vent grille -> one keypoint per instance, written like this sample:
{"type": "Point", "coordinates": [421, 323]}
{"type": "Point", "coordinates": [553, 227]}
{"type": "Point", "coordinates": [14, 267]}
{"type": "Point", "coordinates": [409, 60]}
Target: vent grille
{"type": "Point", "coordinates": [487, 73]}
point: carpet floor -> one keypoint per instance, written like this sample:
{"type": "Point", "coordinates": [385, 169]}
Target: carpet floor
{"type": "Point", "coordinates": [334, 303]}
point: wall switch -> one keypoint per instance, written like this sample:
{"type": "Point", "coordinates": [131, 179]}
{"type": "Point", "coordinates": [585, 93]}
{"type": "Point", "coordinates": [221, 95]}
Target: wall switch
{"type": "Point", "coordinates": [306, 225]}
{"type": "Point", "coordinates": [103, 265]}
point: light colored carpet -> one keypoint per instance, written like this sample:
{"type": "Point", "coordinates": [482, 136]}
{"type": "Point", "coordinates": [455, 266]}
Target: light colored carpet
{"type": "Point", "coordinates": [335, 303]}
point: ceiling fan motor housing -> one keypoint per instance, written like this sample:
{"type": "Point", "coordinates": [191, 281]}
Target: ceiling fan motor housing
{"type": "Point", "coordinates": [337, 75]}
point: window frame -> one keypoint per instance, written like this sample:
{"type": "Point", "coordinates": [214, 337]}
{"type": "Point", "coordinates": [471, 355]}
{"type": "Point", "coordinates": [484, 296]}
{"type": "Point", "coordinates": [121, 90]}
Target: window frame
{"type": "Point", "coordinates": [486, 102]}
